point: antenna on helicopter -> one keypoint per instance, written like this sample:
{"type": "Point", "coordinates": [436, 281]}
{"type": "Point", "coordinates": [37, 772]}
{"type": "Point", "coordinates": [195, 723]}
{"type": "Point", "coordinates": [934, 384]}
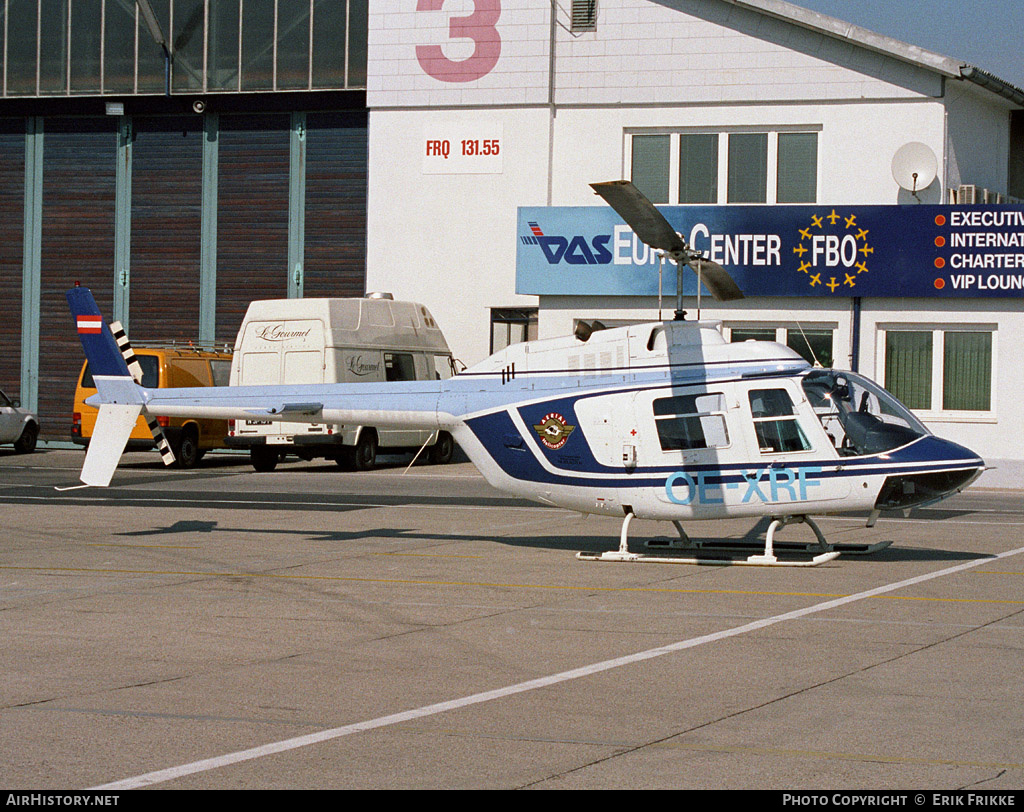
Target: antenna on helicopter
{"type": "Point", "coordinates": [653, 229]}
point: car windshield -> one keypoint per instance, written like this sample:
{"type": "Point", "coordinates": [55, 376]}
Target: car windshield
{"type": "Point", "coordinates": [859, 416]}
{"type": "Point", "coordinates": [150, 372]}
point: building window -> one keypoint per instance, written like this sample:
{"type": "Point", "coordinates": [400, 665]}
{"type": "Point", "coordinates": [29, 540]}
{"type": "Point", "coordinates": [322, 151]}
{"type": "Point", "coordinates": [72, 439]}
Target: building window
{"type": "Point", "coordinates": [944, 370]}
{"type": "Point", "coordinates": [698, 168]}
{"type": "Point", "coordinates": [110, 46]}
{"type": "Point", "coordinates": [511, 325]}
{"type": "Point", "coordinates": [650, 166]}
{"type": "Point", "coordinates": [748, 168]}
{"type": "Point", "coordinates": [814, 344]}
{"type": "Point", "coordinates": [797, 168]}
{"type": "Point", "coordinates": [711, 168]}
{"type": "Point", "coordinates": [584, 16]}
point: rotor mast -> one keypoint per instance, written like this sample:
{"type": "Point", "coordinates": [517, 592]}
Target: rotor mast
{"type": "Point", "coordinates": [651, 227]}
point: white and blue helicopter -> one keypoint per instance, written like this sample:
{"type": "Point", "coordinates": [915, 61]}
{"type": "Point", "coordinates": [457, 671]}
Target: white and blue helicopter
{"type": "Point", "coordinates": [664, 421]}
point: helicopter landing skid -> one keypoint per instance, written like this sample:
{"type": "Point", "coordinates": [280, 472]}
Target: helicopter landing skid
{"type": "Point", "coordinates": [684, 542]}
{"type": "Point", "coordinates": [714, 553]}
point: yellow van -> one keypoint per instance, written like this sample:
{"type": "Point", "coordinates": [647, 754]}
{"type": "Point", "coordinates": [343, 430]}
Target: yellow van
{"type": "Point", "coordinates": [190, 439]}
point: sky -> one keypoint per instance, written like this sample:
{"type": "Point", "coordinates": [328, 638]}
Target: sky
{"type": "Point", "coordinates": [983, 33]}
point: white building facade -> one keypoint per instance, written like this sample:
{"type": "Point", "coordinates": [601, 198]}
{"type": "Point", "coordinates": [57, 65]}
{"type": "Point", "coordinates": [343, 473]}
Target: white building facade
{"type": "Point", "coordinates": [489, 118]}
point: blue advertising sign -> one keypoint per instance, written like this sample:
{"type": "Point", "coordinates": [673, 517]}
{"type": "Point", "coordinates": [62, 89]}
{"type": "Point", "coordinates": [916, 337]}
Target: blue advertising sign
{"type": "Point", "coordinates": [841, 251]}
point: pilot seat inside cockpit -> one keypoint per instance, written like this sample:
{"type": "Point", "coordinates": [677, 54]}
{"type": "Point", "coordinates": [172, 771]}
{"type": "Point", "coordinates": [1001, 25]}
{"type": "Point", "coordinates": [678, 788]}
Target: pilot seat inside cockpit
{"type": "Point", "coordinates": [859, 416]}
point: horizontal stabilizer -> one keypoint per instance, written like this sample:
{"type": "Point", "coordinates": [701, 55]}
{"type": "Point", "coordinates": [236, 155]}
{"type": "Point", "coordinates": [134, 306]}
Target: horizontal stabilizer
{"type": "Point", "coordinates": [114, 425]}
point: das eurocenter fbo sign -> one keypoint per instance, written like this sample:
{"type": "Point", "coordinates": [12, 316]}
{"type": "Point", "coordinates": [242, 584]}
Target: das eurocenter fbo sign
{"type": "Point", "coordinates": [844, 251]}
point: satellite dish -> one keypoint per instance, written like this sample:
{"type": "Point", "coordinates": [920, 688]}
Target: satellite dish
{"type": "Point", "coordinates": [914, 166]}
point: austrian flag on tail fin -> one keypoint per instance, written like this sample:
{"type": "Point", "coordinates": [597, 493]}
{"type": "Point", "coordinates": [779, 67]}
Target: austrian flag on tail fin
{"type": "Point", "coordinates": [90, 325]}
{"type": "Point", "coordinates": [104, 356]}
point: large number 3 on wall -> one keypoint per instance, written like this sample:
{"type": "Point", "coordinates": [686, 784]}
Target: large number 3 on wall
{"type": "Point", "coordinates": [479, 27]}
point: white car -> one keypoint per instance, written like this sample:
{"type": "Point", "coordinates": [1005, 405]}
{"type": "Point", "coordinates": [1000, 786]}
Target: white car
{"type": "Point", "coordinates": [17, 425]}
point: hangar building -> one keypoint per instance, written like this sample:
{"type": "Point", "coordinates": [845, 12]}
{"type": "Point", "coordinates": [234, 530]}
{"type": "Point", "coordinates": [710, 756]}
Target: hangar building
{"type": "Point", "coordinates": [182, 157]}
{"type": "Point", "coordinates": [770, 132]}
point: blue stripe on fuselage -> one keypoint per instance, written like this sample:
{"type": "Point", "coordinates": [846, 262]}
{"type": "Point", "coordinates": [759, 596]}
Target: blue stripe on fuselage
{"type": "Point", "coordinates": [514, 454]}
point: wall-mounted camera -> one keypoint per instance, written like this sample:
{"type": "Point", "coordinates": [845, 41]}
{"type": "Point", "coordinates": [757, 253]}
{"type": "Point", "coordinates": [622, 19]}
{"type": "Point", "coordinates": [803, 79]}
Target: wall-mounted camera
{"type": "Point", "coordinates": [198, 106]}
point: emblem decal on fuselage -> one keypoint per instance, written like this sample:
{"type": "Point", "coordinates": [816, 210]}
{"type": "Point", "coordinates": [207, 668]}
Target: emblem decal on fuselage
{"type": "Point", "coordinates": [553, 431]}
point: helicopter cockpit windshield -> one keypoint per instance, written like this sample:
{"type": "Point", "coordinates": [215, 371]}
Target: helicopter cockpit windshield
{"type": "Point", "coordinates": [859, 416]}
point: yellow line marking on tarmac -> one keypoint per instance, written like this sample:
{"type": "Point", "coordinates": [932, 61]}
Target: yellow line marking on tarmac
{"type": "Point", "coordinates": [497, 694]}
{"type": "Point", "coordinates": [146, 546]}
{"type": "Point", "coordinates": [824, 754]}
{"type": "Point", "coordinates": [874, 758]}
{"type": "Point", "coordinates": [429, 555]}
{"type": "Point", "coordinates": [489, 584]}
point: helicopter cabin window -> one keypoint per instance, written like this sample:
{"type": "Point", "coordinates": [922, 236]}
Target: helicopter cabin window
{"type": "Point", "coordinates": [859, 416]}
{"type": "Point", "coordinates": [689, 422]}
{"type": "Point", "coordinates": [775, 422]}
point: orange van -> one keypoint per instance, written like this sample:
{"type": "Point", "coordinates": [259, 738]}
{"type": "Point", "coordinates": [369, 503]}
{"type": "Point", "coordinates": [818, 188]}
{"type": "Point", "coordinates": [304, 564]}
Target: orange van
{"type": "Point", "coordinates": [190, 439]}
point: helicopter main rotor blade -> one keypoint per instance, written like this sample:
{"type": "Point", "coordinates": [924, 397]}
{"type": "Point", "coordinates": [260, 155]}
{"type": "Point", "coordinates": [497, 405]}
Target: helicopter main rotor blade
{"type": "Point", "coordinates": [716, 279]}
{"type": "Point", "coordinates": [652, 228]}
{"type": "Point", "coordinates": [647, 222]}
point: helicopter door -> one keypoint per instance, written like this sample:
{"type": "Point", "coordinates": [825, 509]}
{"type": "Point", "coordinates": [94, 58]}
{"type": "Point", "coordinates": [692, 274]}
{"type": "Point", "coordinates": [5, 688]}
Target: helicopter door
{"type": "Point", "coordinates": [797, 458]}
{"type": "Point", "coordinates": [627, 434]}
{"type": "Point", "coordinates": [610, 425]}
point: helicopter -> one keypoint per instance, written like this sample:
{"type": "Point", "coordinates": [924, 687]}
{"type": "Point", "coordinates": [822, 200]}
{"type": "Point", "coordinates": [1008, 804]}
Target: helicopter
{"type": "Point", "coordinates": [662, 421]}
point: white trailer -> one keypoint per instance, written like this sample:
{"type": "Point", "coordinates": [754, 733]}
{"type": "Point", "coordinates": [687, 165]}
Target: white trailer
{"type": "Point", "coordinates": [312, 341]}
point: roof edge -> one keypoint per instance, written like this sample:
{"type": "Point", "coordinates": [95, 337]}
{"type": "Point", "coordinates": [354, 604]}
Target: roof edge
{"type": "Point", "coordinates": [993, 84]}
{"type": "Point", "coordinates": [863, 37]}
{"type": "Point", "coordinates": [880, 43]}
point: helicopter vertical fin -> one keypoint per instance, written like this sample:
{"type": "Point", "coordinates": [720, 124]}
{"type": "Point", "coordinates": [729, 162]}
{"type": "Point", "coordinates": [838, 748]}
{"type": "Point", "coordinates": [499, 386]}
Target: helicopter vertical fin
{"type": "Point", "coordinates": [114, 425]}
{"type": "Point", "coordinates": [120, 398]}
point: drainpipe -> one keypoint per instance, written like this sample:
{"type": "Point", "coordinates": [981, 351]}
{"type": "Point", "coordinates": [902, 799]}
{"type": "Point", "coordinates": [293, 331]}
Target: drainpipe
{"type": "Point", "coordinates": [855, 337]}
